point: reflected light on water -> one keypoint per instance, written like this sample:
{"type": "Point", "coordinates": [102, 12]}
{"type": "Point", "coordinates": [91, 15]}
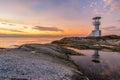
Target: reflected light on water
{"type": "Point", "coordinates": [14, 42]}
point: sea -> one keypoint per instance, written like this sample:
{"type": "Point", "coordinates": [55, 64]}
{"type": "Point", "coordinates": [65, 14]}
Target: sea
{"type": "Point", "coordinates": [11, 42]}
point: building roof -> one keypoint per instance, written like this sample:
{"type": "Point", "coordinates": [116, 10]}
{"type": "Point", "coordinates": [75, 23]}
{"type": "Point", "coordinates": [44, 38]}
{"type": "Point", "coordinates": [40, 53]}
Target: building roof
{"type": "Point", "coordinates": [96, 18]}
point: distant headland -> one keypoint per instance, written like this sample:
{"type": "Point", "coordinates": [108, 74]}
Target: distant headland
{"type": "Point", "coordinates": [109, 42]}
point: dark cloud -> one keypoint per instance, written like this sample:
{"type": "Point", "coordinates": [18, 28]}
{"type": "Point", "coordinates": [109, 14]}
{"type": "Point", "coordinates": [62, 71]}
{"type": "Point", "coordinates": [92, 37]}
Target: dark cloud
{"type": "Point", "coordinates": [12, 24]}
{"type": "Point", "coordinates": [25, 27]}
{"type": "Point", "coordinates": [111, 28]}
{"type": "Point", "coordinates": [42, 28]}
{"type": "Point", "coordinates": [3, 23]}
{"type": "Point", "coordinates": [12, 30]}
{"type": "Point", "coordinates": [9, 24]}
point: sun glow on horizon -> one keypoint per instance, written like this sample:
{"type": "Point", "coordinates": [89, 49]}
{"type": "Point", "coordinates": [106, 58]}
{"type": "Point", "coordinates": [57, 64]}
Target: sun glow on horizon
{"type": "Point", "coordinates": [15, 28]}
{"type": "Point", "coordinates": [53, 18]}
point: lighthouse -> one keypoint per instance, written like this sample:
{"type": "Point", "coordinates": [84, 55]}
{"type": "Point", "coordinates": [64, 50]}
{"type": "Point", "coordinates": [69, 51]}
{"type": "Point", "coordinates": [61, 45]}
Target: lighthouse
{"type": "Point", "coordinates": [96, 32]}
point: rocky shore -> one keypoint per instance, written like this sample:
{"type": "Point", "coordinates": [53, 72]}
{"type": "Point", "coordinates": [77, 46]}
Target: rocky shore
{"type": "Point", "coordinates": [38, 62]}
{"type": "Point", "coordinates": [110, 42]}
{"type": "Point", "coordinates": [50, 61]}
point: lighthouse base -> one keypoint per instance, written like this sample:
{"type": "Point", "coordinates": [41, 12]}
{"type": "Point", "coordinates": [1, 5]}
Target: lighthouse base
{"type": "Point", "coordinates": [95, 33]}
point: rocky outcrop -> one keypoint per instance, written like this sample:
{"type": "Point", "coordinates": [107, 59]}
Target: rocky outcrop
{"type": "Point", "coordinates": [111, 42]}
{"type": "Point", "coordinates": [38, 62]}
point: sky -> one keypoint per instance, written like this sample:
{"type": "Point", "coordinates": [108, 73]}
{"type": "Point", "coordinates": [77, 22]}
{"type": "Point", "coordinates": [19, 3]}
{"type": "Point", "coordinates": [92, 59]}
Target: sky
{"type": "Point", "coordinates": [58, 17]}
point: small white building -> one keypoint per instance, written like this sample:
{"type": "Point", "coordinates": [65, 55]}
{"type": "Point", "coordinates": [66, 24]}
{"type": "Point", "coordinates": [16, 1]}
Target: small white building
{"type": "Point", "coordinates": [96, 32]}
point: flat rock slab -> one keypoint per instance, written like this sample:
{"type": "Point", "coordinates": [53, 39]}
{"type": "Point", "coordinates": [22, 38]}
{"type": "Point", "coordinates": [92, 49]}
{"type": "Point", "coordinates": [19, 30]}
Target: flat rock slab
{"type": "Point", "coordinates": [37, 62]}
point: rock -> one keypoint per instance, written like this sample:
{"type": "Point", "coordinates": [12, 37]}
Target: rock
{"type": "Point", "coordinates": [91, 42]}
{"type": "Point", "coordinates": [38, 62]}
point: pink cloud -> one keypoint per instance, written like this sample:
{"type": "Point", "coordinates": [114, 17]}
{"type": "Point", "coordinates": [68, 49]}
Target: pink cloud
{"type": "Point", "coordinates": [114, 4]}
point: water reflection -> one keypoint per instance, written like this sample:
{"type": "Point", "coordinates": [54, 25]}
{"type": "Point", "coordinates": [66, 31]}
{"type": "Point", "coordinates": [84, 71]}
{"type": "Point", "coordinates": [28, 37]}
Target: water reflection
{"type": "Point", "coordinates": [95, 57]}
{"type": "Point", "coordinates": [98, 65]}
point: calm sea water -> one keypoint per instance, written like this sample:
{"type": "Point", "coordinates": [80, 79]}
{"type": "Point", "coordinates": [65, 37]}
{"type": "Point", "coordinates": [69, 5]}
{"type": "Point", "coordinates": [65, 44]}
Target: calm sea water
{"type": "Point", "coordinates": [13, 42]}
{"type": "Point", "coordinates": [98, 65]}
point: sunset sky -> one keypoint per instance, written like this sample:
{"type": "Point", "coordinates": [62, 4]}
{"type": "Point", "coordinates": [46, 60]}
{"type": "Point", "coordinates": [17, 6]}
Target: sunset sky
{"type": "Point", "coordinates": [58, 17]}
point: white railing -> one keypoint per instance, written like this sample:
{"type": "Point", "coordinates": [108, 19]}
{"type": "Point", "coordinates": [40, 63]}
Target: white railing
{"type": "Point", "coordinates": [96, 23]}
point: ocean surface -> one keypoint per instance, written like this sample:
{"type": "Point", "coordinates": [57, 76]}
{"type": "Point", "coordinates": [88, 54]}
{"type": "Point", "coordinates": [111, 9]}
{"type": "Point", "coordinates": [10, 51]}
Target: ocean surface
{"type": "Point", "coordinates": [14, 42]}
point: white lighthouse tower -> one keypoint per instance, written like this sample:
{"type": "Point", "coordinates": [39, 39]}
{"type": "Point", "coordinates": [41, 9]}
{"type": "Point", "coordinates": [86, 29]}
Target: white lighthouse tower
{"type": "Point", "coordinates": [96, 32]}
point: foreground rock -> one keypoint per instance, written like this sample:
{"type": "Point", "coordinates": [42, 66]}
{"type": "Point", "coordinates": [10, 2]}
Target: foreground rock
{"type": "Point", "coordinates": [111, 42]}
{"type": "Point", "coordinates": [38, 62]}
